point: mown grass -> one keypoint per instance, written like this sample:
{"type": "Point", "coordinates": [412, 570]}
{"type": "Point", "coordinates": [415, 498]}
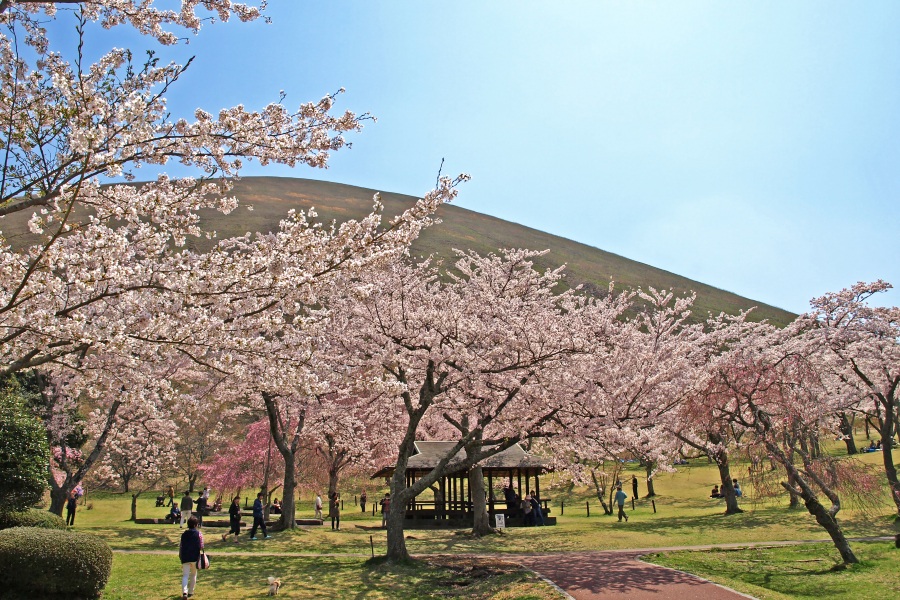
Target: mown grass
{"type": "Point", "coordinates": [159, 576]}
{"type": "Point", "coordinates": [684, 516]}
{"type": "Point", "coordinates": [804, 571]}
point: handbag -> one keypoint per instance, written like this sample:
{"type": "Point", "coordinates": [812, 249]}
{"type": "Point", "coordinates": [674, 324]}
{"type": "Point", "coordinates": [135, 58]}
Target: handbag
{"type": "Point", "coordinates": [203, 561]}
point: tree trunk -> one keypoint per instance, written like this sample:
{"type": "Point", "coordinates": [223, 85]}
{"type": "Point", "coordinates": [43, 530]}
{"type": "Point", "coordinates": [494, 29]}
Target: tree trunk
{"type": "Point", "coordinates": [59, 495]}
{"type": "Point", "coordinates": [651, 492]}
{"type": "Point", "coordinates": [333, 477]}
{"type": "Point", "coordinates": [400, 496]}
{"type": "Point", "coordinates": [887, 454]}
{"type": "Point", "coordinates": [720, 457]}
{"type": "Point", "coordinates": [288, 519]}
{"type": "Point", "coordinates": [278, 433]}
{"type": "Point", "coordinates": [795, 499]}
{"type": "Point", "coordinates": [800, 487]}
{"type": "Point", "coordinates": [59, 492]}
{"type": "Point", "coordinates": [727, 488]}
{"type": "Point", "coordinates": [599, 488]}
{"type": "Point", "coordinates": [134, 498]}
{"type": "Point", "coordinates": [481, 520]}
{"type": "Point", "coordinates": [192, 481]}
{"type": "Point", "coordinates": [847, 433]}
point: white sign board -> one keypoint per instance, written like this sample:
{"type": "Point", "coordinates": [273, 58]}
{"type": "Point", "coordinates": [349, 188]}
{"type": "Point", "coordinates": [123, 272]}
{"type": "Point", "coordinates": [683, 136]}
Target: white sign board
{"type": "Point", "coordinates": [501, 520]}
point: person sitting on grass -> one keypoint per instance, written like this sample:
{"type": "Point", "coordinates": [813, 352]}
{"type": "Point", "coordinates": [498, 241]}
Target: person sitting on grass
{"type": "Point", "coordinates": [715, 492]}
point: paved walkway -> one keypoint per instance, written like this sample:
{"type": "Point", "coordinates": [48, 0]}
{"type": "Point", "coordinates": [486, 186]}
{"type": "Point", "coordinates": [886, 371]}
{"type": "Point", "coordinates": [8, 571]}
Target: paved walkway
{"type": "Point", "coordinates": [607, 575]}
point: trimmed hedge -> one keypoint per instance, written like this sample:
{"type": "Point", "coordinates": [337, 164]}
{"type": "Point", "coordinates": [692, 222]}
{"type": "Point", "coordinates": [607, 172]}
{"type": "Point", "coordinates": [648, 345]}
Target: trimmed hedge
{"type": "Point", "coordinates": [31, 518]}
{"type": "Point", "coordinates": [50, 562]}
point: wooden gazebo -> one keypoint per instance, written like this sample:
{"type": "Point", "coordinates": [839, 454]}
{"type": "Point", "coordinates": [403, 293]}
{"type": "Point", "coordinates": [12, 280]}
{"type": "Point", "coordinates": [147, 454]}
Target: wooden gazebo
{"type": "Point", "coordinates": [451, 505]}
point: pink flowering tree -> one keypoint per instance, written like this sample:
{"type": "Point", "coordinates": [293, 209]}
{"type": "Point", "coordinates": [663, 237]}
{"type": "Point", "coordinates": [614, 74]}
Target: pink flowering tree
{"type": "Point", "coordinates": [629, 386]}
{"type": "Point", "coordinates": [106, 276]}
{"type": "Point", "coordinates": [775, 392]}
{"type": "Point", "coordinates": [139, 452]}
{"type": "Point", "coordinates": [250, 462]}
{"type": "Point", "coordinates": [861, 352]}
{"type": "Point", "coordinates": [474, 346]}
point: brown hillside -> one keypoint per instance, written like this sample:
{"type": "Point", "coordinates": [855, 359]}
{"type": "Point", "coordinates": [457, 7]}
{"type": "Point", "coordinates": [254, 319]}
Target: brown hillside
{"type": "Point", "coordinates": [272, 197]}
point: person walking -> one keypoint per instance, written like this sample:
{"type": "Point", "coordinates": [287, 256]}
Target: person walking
{"type": "Point", "coordinates": [258, 518]}
{"type": "Point", "coordinates": [199, 509]}
{"type": "Point", "coordinates": [171, 494]}
{"type": "Point", "coordinates": [234, 519]}
{"type": "Point", "coordinates": [634, 490]}
{"type": "Point", "coordinates": [318, 506]}
{"type": "Point", "coordinates": [187, 507]}
{"type": "Point", "coordinates": [71, 505]}
{"type": "Point", "coordinates": [362, 501]}
{"type": "Point", "coordinates": [385, 508]}
{"type": "Point", "coordinates": [334, 511]}
{"type": "Point", "coordinates": [620, 500]}
{"type": "Point", "coordinates": [189, 553]}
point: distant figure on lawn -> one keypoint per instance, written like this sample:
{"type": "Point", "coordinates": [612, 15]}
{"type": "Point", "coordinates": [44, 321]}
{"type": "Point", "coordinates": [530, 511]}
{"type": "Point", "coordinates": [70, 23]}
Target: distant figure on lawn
{"type": "Point", "coordinates": [171, 494]}
{"type": "Point", "coordinates": [385, 508]}
{"type": "Point", "coordinates": [620, 501]}
{"type": "Point", "coordinates": [334, 511]}
{"type": "Point", "coordinates": [199, 509]}
{"type": "Point", "coordinates": [737, 488]}
{"type": "Point", "coordinates": [187, 507]}
{"type": "Point", "coordinates": [318, 505]}
{"type": "Point", "coordinates": [71, 505]}
{"type": "Point", "coordinates": [258, 518]}
{"type": "Point", "coordinates": [634, 490]}
{"type": "Point", "coordinates": [715, 492]}
{"type": "Point", "coordinates": [536, 509]}
{"type": "Point", "coordinates": [234, 519]}
{"type": "Point", "coordinates": [527, 509]}
{"type": "Point", "coordinates": [362, 501]}
{"type": "Point", "coordinates": [511, 500]}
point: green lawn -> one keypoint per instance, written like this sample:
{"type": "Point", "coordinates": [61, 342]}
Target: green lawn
{"type": "Point", "coordinates": [157, 576]}
{"type": "Point", "coordinates": [806, 571]}
{"type": "Point", "coordinates": [684, 516]}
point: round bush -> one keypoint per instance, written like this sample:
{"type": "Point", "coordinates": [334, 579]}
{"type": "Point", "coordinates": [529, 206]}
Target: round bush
{"type": "Point", "coordinates": [50, 562]}
{"type": "Point", "coordinates": [31, 518]}
{"type": "Point", "coordinates": [23, 454]}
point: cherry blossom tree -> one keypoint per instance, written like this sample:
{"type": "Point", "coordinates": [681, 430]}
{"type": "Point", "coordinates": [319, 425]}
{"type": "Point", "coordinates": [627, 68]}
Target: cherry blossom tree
{"type": "Point", "coordinates": [140, 450]}
{"type": "Point", "coordinates": [475, 346]}
{"type": "Point", "coordinates": [631, 383]}
{"type": "Point", "coordinates": [861, 350]}
{"type": "Point", "coordinates": [775, 391]}
{"type": "Point", "coordinates": [106, 277]}
{"type": "Point", "coordinates": [249, 462]}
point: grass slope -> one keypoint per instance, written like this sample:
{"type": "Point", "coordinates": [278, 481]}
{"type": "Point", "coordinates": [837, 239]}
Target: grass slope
{"type": "Point", "coordinates": [272, 197]}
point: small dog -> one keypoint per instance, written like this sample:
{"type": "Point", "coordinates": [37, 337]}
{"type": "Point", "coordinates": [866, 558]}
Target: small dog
{"type": "Point", "coordinates": [274, 584]}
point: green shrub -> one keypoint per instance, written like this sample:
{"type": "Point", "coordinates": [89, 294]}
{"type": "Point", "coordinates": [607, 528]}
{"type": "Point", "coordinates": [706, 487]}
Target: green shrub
{"type": "Point", "coordinates": [23, 454]}
{"type": "Point", "coordinates": [31, 518]}
{"type": "Point", "coordinates": [50, 562]}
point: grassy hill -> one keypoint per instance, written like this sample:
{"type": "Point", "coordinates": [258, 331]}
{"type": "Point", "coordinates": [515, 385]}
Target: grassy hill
{"type": "Point", "coordinates": [272, 197]}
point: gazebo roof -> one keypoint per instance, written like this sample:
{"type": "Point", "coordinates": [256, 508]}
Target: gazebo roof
{"type": "Point", "coordinates": [429, 454]}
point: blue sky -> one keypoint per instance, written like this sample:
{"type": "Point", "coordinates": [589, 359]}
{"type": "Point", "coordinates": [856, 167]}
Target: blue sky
{"type": "Point", "coordinates": [749, 145]}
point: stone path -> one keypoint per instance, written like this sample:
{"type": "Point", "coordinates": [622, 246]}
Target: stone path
{"type": "Point", "coordinates": [607, 575]}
